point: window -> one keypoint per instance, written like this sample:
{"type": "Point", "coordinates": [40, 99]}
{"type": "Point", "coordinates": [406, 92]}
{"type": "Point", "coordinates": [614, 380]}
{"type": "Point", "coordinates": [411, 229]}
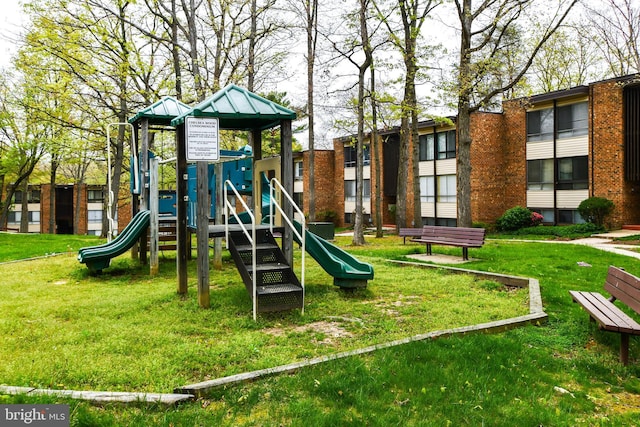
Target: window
{"type": "Point", "coordinates": [94, 196]}
{"type": "Point", "coordinates": [540, 125]}
{"type": "Point", "coordinates": [351, 156]}
{"type": "Point", "coordinates": [366, 189]}
{"type": "Point", "coordinates": [540, 174]}
{"type": "Point", "coordinates": [447, 188]}
{"type": "Point", "coordinates": [573, 120]}
{"type": "Point", "coordinates": [447, 144]}
{"type": "Point", "coordinates": [573, 173]}
{"type": "Point", "coordinates": [34, 217]}
{"type": "Point", "coordinates": [427, 148]}
{"type": "Point", "coordinates": [447, 222]}
{"type": "Point", "coordinates": [569, 216]}
{"type": "Point", "coordinates": [94, 216]}
{"type": "Point", "coordinates": [298, 199]}
{"type": "Point", "coordinates": [547, 214]}
{"type": "Point", "coordinates": [297, 171]}
{"type": "Point", "coordinates": [17, 196]}
{"type": "Point", "coordinates": [427, 189]}
{"type": "Point", "coordinates": [14, 217]}
{"type": "Point", "coordinates": [350, 191]}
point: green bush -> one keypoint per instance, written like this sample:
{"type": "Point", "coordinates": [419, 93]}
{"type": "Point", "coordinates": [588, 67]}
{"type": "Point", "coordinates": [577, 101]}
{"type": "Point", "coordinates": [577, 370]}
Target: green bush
{"type": "Point", "coordinates": [571, 231]}
{"type": "Point", "coordinates": [514, 219]}
{"type": "Point", "coordinates": [595, 209]}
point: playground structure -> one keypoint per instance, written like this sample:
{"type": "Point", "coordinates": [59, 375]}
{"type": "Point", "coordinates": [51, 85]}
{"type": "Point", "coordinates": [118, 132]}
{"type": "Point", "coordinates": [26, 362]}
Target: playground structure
{"type": "Point", "coordinates": [264, 266]}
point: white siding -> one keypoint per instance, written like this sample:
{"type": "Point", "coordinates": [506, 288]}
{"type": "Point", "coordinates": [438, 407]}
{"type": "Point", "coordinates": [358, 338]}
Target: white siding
{"type": "Point", "coordinates": [540, 199]}
{"type": "Point", "coordinates": [572, 147]}
{"type": "Point", "coordinates": [427, 210]}
{"type": "Point", "coordinates": [539, 150]}
{"type": "Point", "coordinates": [446, 167]}
{"type": "Point", "coordinates": [366, 172]}
{"type": "Point", "coordinates": [298, 187]}
{"type": "Point", "coordinates": [426, 168]}
{"type": "Point", "coordinates": [570, 199]}
{"type": "Point", "coordinates": [350, 207]}
{"type": "Point", "coordinates": [447, 210]}
{"type": "Point", "coordinates": [349, 174]}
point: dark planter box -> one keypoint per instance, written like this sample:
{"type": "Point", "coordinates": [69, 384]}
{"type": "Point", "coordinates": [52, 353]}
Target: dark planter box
{"type": "Point", "coordinates": [326, 230]}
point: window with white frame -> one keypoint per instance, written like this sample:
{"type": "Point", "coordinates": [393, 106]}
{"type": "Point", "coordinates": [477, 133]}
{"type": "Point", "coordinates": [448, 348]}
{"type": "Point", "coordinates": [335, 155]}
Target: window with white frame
{"type": "Point", "coordinates": [297, 171]}
{"type": "Point", "coordinates": [446, 188]}
{"type": "Point", "coordinates": [427, 189]}
{"type": "Point", "coordinates": [540, 174]}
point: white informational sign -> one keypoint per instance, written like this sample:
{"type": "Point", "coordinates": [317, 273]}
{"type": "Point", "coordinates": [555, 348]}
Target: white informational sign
{"type": "Point", "coordinates": [203, 144]}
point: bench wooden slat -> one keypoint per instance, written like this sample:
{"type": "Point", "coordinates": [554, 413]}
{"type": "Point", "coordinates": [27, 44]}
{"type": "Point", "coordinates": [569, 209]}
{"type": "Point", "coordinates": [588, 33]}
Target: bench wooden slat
{"type": "Point", "coordinates": [609, 317]}
{"type": "Point", "coordinates": [624, 287]}
{"type": "Point", "coordinates": [463, 237]}
{"type": "Point", "coordinates": [409, 232]}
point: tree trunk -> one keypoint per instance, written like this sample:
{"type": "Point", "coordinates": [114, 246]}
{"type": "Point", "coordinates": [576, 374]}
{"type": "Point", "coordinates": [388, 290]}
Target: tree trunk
{"type": "Point", "coordinates": [24, 217]}
{"type": "Point", "coordinates": [312, 19]}
{"type": "Point", "coordinates": [52, 196]}
{"type": "Point", "coordinates": [463, 156]}
{"type": "Point", "coordinates": [403, 175]}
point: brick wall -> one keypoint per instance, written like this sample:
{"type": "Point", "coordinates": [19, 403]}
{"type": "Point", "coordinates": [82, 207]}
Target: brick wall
{"type": "Point", "coordinates": [338, 190]}
{"type": "Point", "coordinates": [487, 166]}
{"type": "Point", "coordinates": [324, 180]}
{"type": "Point", "coordinates": [606, 142]}
{"type": "Point", "coordinates": [514, 149]}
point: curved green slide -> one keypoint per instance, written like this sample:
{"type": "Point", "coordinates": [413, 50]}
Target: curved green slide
{"type": "Point", "coordinates": [347, 271]}
{"type": "Point", "coordinates": [99, 257]}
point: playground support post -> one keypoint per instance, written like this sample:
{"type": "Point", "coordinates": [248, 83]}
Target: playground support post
{"type": "Point", "coordinates": [202, 221]}
{"type": "Point", "coordinates": [217, 242]}
{"type": "Point", "coordinates": [153, 219]}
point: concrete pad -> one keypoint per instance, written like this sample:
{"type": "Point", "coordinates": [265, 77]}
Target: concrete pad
{"type": "Point", "coordinates": [440, 259]}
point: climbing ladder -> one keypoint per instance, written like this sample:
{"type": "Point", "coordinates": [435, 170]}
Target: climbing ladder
{"type": "Point", "coordinates": [268, 277]}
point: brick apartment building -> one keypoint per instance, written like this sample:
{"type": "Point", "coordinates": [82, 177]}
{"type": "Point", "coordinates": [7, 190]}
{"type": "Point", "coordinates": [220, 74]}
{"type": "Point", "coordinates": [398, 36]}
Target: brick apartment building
{"type": "Point", "coordinates": [86, 202]}
{"type": "Point", "coordinates": [547, 152]}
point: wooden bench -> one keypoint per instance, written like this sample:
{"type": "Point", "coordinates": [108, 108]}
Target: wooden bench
{"type": "Point", "coordinates": [409, 232]}
{"type": "Point", "coordinates": [452, 236]}
{"type": "Point", "coordinates": [624, 287]}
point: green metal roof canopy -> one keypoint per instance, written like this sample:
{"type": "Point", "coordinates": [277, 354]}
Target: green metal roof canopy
{"type": "Point", "coordinates": [162, 112]}
{"type": "Point", "coordinates": [239, 109]}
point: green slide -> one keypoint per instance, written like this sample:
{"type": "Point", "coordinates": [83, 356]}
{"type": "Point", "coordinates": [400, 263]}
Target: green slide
{"type": "Point", "coordinates": [99, 257]}
{"type": "Point", "coordinates": [346, 270]}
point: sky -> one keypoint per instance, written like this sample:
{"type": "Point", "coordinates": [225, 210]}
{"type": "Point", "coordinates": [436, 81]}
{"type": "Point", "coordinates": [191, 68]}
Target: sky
{"type": "Point", "coordinates": [10, 24]}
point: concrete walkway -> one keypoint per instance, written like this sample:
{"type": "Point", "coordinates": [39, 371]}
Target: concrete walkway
{"type": "Point", "coordinates": [604, 241]}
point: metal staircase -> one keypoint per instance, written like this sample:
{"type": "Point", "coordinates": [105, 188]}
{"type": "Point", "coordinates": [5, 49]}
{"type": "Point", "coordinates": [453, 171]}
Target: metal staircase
{"type": "Point", "coordinates": [277, 287]}
{"type": "Point", "coordinates": [268, 277]}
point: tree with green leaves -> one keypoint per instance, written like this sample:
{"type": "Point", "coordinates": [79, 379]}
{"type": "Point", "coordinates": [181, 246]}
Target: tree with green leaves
{"type": "Point", "coordinates": [483, 31]}
{"type": "Point", "coordinates": [413, 14]}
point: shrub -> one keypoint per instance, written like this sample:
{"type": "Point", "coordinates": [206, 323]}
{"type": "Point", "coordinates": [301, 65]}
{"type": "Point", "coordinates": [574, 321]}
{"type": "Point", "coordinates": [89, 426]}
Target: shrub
{"type": "Point", "coordinates": [595, 210]}
{"type": "Point", "coordinates": [514, 219]}
{"type": "Point", "coordinates": [536, 219]}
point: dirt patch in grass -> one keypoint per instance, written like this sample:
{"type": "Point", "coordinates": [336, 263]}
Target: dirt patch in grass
{"type": "Point", "coordinates": [323, 333]}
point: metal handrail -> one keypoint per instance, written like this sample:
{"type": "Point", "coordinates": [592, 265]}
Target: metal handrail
{"type": "Point", "coordinates": [273, 202]}
{"type": "Point", "coordinates": [252, 238]}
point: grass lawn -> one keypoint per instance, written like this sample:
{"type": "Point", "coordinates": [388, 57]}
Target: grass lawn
{"type": "Point", "coordinates": [122, 330]}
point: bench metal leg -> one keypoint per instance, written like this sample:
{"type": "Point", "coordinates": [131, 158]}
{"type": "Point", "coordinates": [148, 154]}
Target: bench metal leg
{"type": "Point", "coordinates": [624, 349]}
{"type": "Point", "coordinates": [465, 254]}
{"type": "Point", "coordinates": [428, 248]}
